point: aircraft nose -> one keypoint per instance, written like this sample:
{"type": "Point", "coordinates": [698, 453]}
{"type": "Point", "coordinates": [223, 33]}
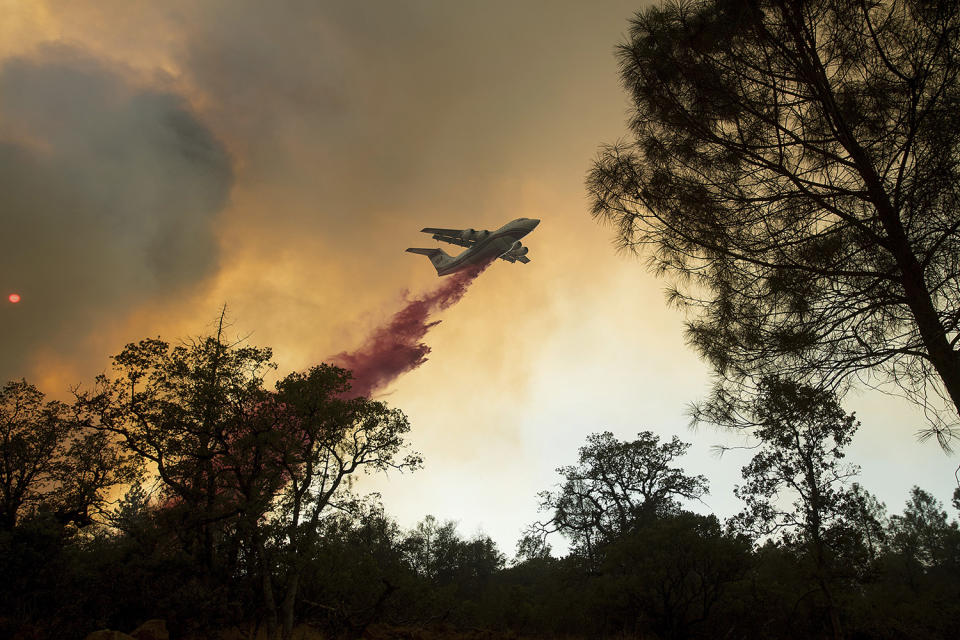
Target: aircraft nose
{"type": "Point", "coordinates": [534, 222]}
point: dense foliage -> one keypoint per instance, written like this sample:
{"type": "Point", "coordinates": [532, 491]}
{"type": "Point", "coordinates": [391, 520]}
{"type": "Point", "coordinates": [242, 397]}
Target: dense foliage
{"type": "Point", "coordinates": [239, 514]}
{"type": "Point", "coordinates": [792, 167]}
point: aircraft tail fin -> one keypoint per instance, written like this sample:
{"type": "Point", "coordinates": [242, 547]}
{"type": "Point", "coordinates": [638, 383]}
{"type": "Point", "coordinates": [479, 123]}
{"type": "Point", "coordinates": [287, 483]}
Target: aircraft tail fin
{"type": "Point", "coordinates": [438, 257]}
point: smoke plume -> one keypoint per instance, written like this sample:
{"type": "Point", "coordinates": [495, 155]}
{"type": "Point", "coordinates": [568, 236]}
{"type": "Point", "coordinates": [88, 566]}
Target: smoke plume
{"type": "Point", "coordinates": [110, 196]}
{"type": "Point", "coordinates": [396, 347]}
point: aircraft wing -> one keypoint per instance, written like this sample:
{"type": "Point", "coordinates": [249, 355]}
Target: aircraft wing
{"type": "Point", "coordinates": [509, 258]}
{"type": "Point", "coordinates": [451, 236]}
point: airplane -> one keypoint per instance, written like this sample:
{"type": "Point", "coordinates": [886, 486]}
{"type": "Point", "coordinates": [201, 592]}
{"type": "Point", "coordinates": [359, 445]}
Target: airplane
{"type": "Point", "coordinates": [504, 243]}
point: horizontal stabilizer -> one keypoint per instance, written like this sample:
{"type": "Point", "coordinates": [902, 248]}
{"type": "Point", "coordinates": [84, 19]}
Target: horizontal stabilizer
{"type": "Point", "coordinates": [438, 257]}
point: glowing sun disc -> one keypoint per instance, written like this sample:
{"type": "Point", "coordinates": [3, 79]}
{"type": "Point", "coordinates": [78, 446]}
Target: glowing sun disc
{"type": "Point", "coordinates": [14, 298]}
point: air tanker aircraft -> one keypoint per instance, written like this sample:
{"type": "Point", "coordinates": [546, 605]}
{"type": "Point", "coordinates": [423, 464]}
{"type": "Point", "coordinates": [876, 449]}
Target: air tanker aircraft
{"type": "Point", "coordinates": [504, 243]}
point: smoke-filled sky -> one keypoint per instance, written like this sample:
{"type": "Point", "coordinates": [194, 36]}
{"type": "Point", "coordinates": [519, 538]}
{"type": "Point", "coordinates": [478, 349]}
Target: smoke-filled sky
{"type": "Point", "coordinates": [161, 159]}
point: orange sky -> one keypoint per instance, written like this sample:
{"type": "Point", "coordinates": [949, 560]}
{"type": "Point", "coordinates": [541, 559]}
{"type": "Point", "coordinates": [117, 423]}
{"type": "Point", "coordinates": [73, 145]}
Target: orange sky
{"type": "Point", "coordinates": [168, 158]}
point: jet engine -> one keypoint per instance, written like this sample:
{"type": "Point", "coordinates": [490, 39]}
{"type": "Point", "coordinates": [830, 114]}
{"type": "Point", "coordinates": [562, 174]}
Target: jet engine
{"type": "Point", "coordinates": [468, 234]}
{"type": "Point", "coordinates": [517, 249]}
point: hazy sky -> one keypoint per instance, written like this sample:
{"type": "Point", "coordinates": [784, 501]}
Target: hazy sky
{"type": "Point", "coordinates": [160, 159]}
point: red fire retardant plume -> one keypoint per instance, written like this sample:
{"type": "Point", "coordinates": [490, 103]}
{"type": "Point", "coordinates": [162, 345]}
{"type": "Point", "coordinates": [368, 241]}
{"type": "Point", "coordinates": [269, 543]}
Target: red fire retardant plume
{"type": "Point", "coordinates": [397, 346]}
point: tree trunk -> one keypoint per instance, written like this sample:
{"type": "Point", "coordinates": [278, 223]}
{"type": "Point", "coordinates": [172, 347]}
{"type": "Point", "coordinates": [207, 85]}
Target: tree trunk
{"type": "Point", "coordinates": [832, 611]}
{"type": "Point", "coordinates": [940, 353]}
{"type": "Point", "coordinates": [945, 360]}
{"type": "Point", "coordinates": [266, 588]}
{"type": "Point", "coordinates": [287, 607]}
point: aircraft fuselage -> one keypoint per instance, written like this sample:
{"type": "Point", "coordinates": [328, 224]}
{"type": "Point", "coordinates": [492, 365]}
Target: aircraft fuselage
{"type": "Point", "coordinates": [491, 246]}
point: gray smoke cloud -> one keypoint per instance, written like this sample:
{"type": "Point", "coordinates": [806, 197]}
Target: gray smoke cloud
{"type": "Point", "coordinates": [109, 195]}
{"type": "Point", "coordinates": [362, 114]}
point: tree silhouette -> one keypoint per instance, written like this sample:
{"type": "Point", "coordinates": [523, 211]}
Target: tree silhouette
{"type": "Point", "coordinates": [614, 487]}
{"type": "Point", "coordinates": [923, 535]}
{"type": "Point", "coordinates": [189, 411]}
{"type": "Point", "coordinates": [437, 551]}
{"type": "Point", "coordinates": [31, 432]}
{"type": "Point", "coordinates": [671, 573]}
{"type": "Point", "coordinates": [246, 473]}
{"type": "Point", "coordinates": [329, 440]}
{"type": "Point", "coordinates": [921, 566]}
{"type": "Point", "coordinates": [793, 165]}
{"type": "Point", "coordinates": [802, 433]}
{"type": "Point", "coordinates": [50, 461]}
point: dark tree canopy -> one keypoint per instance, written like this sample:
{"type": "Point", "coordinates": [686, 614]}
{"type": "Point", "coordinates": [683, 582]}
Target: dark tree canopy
{"type": "Point", "coordinates": [923, 534]}
{"type": "Point", "coordinates": [672, 572]}
{"type": "Point", "coordinates": [616, 486]}
{"type": "Point", "coordinates": [30, 432]}
{"type": "Point", "coordinates": [279, 539]}
{"type": "Point", "coordinates": [794, 167]}
{"type": "Point", "coordinates": [241, 467]}
{"type": "Point", "coordinates": [803, 432]}
{"type": "Point", "coordinates": [50, 462]}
